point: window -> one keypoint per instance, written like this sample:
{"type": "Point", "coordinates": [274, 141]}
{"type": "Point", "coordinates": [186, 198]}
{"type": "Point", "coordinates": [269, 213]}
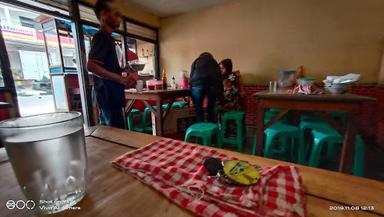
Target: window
{"type": "Point", "coordinates": [140, 41]}
{"type": "Point", "coordinates": [141, 31]}
{"type": "Point", "coordinates": [52, 44]}
{"type": "Point", "coordinates": [87, 14]}
{"type": "Point", "coordinates": [67, 44]}
{"type": "Point", "coordinates": [1, 76]}
{"type": "Point", "coordinates": [27, 22]}
{"type": "Point", "coordinates": [142, 52]}
{"type": "Point", "coordinates": [56, 6]}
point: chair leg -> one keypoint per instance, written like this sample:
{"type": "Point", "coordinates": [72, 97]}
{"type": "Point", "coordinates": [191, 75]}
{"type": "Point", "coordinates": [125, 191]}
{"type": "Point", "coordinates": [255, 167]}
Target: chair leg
{"type": "Point", "coordinates": [254, 146]}
{"type": "Point", "coordinates": [314, 159]}
{"type": "Point", "coordinates": [268, 146]}
{"type": "Point", "coordinates": [359, 159]}
{"type": "Point", "coordinates": [223, 128]}
{"type": "Point", "coordinates": [303, 148]}
{"type": "Point", "coordinates": [218, 138]}
{"type": "Point", "coordinates": [239, 135]}
{"type": "Point", "coordinates": [130, 122]}
{"type": "Point", "coordinates": [144, 120]}
{"type": "Point", "coordinates": [187, 137]}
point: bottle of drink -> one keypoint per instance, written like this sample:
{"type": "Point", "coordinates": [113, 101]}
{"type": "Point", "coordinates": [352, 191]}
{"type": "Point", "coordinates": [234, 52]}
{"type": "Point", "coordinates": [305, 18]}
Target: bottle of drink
{"type": "Point", "coordinates": [173, 84]}
{"type": "Point", "coordinates": [164, 79]}
{"type": "Point", "coordinates": [300, 72]}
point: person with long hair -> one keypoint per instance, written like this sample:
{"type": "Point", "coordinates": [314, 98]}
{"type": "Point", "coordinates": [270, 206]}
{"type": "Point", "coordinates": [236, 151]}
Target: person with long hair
{"type": "Point", "coordinates": [231, 100]}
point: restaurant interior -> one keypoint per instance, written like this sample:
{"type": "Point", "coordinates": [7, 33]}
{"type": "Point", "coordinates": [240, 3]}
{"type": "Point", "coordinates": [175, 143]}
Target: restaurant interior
{"type": "Point", "coordinates": [239, 108]}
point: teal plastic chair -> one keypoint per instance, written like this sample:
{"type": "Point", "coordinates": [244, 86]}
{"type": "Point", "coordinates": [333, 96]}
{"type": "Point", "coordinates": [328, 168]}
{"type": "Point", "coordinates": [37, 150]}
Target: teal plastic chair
{"type": "Point", "coordinates": [283, 141]}
{"type": "Point", "coordinates": [205, 131]}
{"type": "Point", "coordinates": [274, 110]}
{"type": "Point", "coordinates": [179, 105]}
{"type": "Point", "coordinates": [239, 138]}
{"type": "Point", "coordinates": [131, 123]}
{"type": "Point", "coordinates": [145, 127]}
{"type": "Point", "coordinates": [311, 117]}
{"type": "Point", "coordinates": [332, 140]}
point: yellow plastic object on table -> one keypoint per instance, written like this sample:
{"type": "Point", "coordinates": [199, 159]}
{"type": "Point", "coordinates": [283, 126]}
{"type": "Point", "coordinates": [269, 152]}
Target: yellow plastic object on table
{"type": "Point", "coordinates": [241, 172]}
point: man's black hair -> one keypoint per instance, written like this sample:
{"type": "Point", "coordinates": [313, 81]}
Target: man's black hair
{"type": "Point", "coordinates": [100, 6]}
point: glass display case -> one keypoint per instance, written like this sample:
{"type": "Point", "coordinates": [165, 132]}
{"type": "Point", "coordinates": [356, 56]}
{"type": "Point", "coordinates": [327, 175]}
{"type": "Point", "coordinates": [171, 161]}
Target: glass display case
{"type": "Point", "coordinates": [60, 46]}
{"type": "Point", "coordinates": [61, 53]}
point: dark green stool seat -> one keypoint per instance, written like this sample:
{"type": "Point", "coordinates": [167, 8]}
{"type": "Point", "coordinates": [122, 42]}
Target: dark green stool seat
{"type": "Point", "coordinates": [205, 131]}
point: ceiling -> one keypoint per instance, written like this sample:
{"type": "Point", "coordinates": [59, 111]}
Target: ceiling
{"type": "Point", "coordinates": [166, 8]}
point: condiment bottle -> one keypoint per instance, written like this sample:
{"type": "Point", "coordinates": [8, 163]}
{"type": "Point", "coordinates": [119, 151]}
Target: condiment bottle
{"type": "Point", "coordinates": [173, 84]}
{"type": "Point", "coordinates": [164, 79]}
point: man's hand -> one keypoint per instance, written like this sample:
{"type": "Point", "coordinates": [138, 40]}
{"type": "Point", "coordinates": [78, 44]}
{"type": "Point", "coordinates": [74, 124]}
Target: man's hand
{"type": "Point", "coordinates": [128, 81]}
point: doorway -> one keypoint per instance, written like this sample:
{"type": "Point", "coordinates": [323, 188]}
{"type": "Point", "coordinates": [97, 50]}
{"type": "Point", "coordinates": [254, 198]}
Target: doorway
{"type": "Point", "coordinates": [41, 53]}
{"type": "Point", "coordinates": [28, 60]}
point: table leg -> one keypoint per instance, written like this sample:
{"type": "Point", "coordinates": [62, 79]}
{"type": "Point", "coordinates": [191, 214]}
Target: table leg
{"type": "Point", "coordinates": [276, 118]}
{"type": "Point", "coordinates": [126, 111]}
{"type": "Point", "coordinates": [159, 119]}
{"type": "Point", "coordinates": [129, 106]}
{"type": "Point", "coordinates": [165, 113]}
{"type": "Point", "coordinates": [348, 147]}
{"type": "Point", "coordinates": [260, 127]}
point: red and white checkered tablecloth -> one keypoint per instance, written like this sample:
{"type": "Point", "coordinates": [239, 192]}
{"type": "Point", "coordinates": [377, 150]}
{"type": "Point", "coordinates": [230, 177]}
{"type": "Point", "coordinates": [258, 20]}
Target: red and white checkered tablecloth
{"type": "Point", "coordinates": [176, 169]}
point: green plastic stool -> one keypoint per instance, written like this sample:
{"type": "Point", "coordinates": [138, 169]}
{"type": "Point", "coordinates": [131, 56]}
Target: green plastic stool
{"type": "Point", "coordinates": [239, 139]}
{"type": "Point", "coordinates": [147, 112]}
{"type": "Point", "coordinates": [314, 124]}
{"type": "Point", "coordinates": [205, 131]}
{"type": "Point", "coordinates": [306, 126]}
{"type": "Point", "coordinates": [179, 105]}
{"type": "Point", "coordinates": [131, 124]}
{"type": "Point", "coordinates": [331, 139]}
{"type": "Point", "coordinates": [274, 111]}
{"type": "Point", "coordinates": [290, 140]}
{"type": "Point", "coordinates": [146, 128]}
{"type": "Point", "coordinates": [311, 117]}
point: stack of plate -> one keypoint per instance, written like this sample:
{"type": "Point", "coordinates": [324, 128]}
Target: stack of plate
{"type": "Point", "coordinates": [340, 84]}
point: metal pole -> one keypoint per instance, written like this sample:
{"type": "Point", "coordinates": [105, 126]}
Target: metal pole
{"type": "Point", "coordinates": [157, 59]}
{"type": "Point", "coordinates": [84, 83]}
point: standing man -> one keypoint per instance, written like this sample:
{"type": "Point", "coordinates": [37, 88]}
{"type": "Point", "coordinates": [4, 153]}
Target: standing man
{"type": "Point", "coordinates": [104, 64]}
{"type": "Point", "coordinates": [205, 81]}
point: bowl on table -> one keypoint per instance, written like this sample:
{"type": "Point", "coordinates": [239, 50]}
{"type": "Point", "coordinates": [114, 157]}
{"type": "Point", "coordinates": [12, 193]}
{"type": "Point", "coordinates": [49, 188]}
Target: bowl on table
{"type": "Point", "coordinates": [137, 66]}
{"type": "Point", "coordinates": [337, 88]}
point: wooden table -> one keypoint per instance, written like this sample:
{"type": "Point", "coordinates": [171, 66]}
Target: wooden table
{"type": "Point", "coordinates": [348, 103]}
{"type": "Point", "coordinates": [159, 96]}
{"type": "Point", "coordinates": [111, 192]}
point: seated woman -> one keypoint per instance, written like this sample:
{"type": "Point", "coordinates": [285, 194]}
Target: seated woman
{"type": "Point", "coordinates": [233, 91]}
